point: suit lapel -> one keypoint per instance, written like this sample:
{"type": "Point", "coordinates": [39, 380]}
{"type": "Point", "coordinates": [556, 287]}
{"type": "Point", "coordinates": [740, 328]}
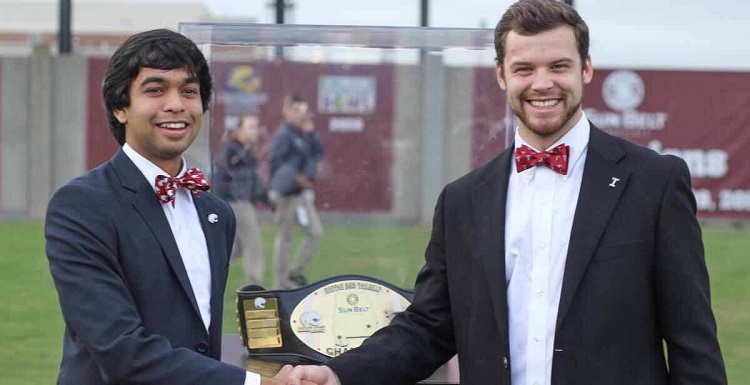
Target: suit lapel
{"type": "Point", "coordinates": [596, 202]}
{"type": "Point", "coordinates": [488, 200]}
{"type": "Point", "coordinates": [212, 232]}
{"type": "Point", "coordinates": [149, 207]}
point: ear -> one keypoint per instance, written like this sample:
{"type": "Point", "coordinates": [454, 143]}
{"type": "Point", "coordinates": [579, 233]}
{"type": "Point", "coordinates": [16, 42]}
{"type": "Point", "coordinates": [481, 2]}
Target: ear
{"type": "Point", "coordinates": [121, 116]}
{"type": "Point", "coordinates": [499, 74]}
{"type": "Point", "coordinates": [588, 71]}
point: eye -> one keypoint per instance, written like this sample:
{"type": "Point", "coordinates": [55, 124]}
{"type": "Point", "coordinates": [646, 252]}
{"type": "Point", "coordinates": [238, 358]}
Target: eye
{"type": "Point", "coordinates": [560, 66]}
{"type": "Point", "coordinates": [523, 70]}
{"type": "Point", "coordinates": [154, 90]}
{"type": "Point", "coordinates": [190, 91]}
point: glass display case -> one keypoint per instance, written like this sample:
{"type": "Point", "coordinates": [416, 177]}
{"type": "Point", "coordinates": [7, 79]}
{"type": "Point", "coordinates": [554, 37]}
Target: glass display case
{"type": "Point", "coordinates": [401, 111]}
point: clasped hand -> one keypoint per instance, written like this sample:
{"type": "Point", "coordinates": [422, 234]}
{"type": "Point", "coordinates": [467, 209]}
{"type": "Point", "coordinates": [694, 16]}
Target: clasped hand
{"type": "Point", "coordinates": [303, 375]}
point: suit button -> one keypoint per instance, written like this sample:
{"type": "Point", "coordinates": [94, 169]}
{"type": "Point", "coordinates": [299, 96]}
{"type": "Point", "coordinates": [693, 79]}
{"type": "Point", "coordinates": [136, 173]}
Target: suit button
{"type": "Point", "coordinates": [201, 347]}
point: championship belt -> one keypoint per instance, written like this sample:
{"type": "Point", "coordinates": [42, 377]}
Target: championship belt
{"type": "Point", "coordinates": [318, 321]}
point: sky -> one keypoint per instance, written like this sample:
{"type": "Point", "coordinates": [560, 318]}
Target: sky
{"type": "Point", "coordinates": [472, 13]}
{"type": "Point", "coordinates": [703, 34]}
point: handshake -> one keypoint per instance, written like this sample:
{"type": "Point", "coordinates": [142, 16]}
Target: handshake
{"type": "Point", "coordinates": [303, 375]}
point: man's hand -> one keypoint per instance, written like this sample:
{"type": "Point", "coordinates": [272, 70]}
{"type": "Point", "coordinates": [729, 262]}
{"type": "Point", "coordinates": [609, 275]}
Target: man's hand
{"type": "Point", "coordinates": [321, 375]}
{"type": "Point", "coordinates": [282, 378]}
{"type": "Point", "coordinates": [303, 181]}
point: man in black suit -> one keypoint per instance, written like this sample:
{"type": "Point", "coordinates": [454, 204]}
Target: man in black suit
{"type": "Point", "coordinates": [138, 248]}
{"type": "Point", "coordinates": [571, 258]}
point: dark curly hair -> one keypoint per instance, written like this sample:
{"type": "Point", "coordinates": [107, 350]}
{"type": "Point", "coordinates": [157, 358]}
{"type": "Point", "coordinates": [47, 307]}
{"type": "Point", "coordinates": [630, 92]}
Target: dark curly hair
{"type": "Point", "coordinates": [161, 49]}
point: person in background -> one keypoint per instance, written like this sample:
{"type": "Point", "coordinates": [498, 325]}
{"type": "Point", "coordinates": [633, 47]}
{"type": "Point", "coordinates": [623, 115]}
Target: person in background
{"type": "Point", "coordinates": [237, 182]}
{"type": "Point", "coordinates": [296, 151]}
{"type": "Point", "coordinates": [138, 248]}
{"type": "Point", "coordinates": [573, 257]}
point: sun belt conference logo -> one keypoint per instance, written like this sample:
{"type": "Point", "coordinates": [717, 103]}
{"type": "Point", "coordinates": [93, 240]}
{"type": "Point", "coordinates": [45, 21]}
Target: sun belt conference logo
{"type": "Point", "coordinates": [623, 90]}
{"type": "Point", "coordinates": [352, 299]}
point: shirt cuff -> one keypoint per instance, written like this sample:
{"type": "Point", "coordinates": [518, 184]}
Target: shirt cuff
{"type": "Point", "coordinates": [252, 378]}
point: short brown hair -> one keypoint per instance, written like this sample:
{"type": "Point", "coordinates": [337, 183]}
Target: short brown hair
{"type": "Point", "coordinates": [528, 17]}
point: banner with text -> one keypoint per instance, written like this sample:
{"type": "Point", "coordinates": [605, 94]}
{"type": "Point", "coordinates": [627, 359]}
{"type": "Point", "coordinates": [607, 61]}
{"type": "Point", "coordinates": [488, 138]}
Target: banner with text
{"type": "Point", "coordinates": [702, 117]}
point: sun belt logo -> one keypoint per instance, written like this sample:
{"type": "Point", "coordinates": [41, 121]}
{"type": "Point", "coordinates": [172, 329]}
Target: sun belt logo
{"type": "Point", "coordinates": [624, 91]}
{"type": "Point", "coordinates": [352, 299]}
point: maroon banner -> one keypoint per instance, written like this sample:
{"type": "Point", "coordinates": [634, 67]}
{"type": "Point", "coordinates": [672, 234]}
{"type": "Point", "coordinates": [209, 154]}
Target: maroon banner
{"type": "Point", "coordinates": [488, 133]}
{"type": "Point", "coordinates": [353, 115]}
{"type": "Point", "coordinates": [702, 117]}
{"type": "Point", "coordinates": [100, 144]}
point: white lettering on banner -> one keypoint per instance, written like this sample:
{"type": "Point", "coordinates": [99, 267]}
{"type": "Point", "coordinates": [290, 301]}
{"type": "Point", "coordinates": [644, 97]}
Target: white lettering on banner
{"type": "Point", "coordinates": [339, 124]}
{"type": "Point", "coordinates": [730, 200]}
{"type": "Point", "coordinates": [604, 119]}
{"type": "Point", "coordinates": [634, 120]}
{"type": "Point", "coordinates": [629, 120]}
{"type": "Point", "coordinates": [703, 163]}
{"type": "Point", "coordinates": [703, 199]}
{"type": "Point", "coordinates": [734, 200]}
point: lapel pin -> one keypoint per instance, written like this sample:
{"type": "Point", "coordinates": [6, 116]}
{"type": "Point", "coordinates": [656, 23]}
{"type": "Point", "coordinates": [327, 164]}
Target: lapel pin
{"type": "Point", "coordinates": [213, 218]}
{"type": "Point", "coordinates": [614, 182]}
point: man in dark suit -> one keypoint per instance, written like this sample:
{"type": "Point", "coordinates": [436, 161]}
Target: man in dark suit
{"type": "Point", "coordinates": [571, 258]}
{"type": "Point", "coordinates": [137, 247]}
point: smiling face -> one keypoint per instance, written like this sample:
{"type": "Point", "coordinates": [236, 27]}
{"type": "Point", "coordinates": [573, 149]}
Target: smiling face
{"type": "Point", "coordinates": [544, 77]}
{"type": "Point", "coordinates": [164, 115]}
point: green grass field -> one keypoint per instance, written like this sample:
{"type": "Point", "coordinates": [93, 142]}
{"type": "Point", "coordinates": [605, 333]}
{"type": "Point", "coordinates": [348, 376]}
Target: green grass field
{"type": "Point", "coordinates": [32, 325]}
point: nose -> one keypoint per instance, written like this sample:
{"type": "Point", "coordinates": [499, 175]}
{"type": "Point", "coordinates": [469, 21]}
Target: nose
{"type": "Point", "coordinates": [173, 101]}
{"type": "Point", "coordinates": [542, 81]}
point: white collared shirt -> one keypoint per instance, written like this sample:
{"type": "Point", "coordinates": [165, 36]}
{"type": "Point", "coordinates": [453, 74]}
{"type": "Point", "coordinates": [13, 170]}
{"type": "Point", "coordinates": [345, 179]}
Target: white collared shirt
{"type": "Point", "coordinates": [187, 231]}
{"type": "Point", "coordinates": [539, 215]}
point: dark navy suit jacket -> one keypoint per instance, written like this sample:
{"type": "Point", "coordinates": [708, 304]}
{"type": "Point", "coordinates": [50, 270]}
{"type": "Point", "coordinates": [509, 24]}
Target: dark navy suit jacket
{"type": "Point", "coordinates": [130, 313]}
{"type": "Point", "coordinates": [635, 276]}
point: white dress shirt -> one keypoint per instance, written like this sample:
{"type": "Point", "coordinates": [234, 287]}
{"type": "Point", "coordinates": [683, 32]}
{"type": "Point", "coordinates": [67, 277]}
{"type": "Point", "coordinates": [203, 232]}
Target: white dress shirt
{"type": "Point", "coordinates": [191, 242]}
{"type": "Point", "coordinates": [539, 216]}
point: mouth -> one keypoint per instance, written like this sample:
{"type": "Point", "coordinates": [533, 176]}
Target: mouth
{"type": "Point", "coordinates": [176, 129]}
{"type": "Point", "coordinates": [172, 125]}
{"type": "Point", "coordinates": [544, 104]}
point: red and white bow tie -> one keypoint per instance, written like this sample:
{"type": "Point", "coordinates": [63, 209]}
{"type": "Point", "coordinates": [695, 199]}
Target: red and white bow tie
{"type": "Point", "coordinates": [556, 159]}
{"type": "Point", "coordinates": [193, 180]}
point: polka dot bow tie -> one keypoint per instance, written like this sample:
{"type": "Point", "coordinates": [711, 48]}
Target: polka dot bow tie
{"type": "Point", "coordinates": [556, 159]}
{"type": "Point", "coordinates": [193, 180]}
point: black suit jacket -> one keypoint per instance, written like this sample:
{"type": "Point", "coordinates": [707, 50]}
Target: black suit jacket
{"type": "Point", "coordinates": [635, 275]}
{"type": "Point", "coordinates": [130, 313]}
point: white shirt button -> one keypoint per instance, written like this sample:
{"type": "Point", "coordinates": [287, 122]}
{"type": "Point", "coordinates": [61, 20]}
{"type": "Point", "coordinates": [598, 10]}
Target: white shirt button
{"type": "Point", "coordinates": [539, 293]}
{"type": "Point", "coordinates": [542, 246]}
{"type": "Point", "coordinates": [536, 339]}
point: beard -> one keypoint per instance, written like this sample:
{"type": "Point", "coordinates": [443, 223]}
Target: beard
{"type": "Point", "coordinates": [546, 128]}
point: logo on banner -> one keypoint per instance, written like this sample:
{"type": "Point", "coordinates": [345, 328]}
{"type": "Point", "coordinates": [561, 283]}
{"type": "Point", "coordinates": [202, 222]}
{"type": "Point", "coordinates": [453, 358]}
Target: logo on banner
{"type": "Point", "coordinates": [245, 79]}
{"type": "Point", "coordinates": [623, 92]}
{"type": "Point", "coordinates": [243, 90]}
{"type": "Point", "coordinates": [346, 94]}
